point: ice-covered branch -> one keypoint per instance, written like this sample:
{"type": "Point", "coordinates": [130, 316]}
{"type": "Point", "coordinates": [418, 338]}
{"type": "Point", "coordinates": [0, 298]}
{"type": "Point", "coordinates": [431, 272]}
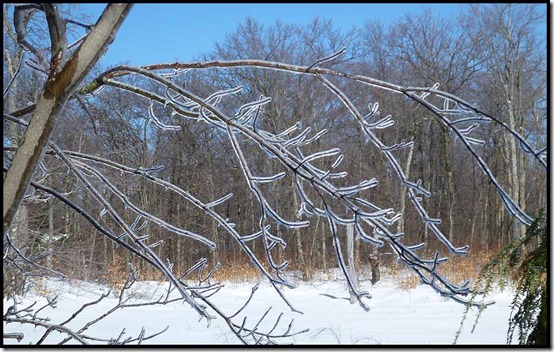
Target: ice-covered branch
{"type": "Point", "coordinates": [279, 66]}
{"type": "Point", "coordinates": [131, 233]}
{"type": "Point", "coordinates": [279, 146]}
{"type": "Point", "coordinates": [32, 317]}
{"type": "Point", "coordinates": [408, 91]}
{"type": "Point", "coordinates": [322, 189]}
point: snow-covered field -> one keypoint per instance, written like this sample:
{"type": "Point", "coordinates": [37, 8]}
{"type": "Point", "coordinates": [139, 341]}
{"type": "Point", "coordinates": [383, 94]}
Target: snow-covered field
{"type": "Point", "coordinates": [414, 317]}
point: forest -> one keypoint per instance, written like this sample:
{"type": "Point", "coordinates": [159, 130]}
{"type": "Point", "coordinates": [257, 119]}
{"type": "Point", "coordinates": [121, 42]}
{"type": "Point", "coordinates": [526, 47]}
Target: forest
{"type": "Point", "coordinates": [286, 150]}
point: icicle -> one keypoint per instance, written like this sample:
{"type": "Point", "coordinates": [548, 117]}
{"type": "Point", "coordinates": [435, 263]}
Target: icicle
{"type": "Point", "coordinates": [303, 210]}
{"type": "Point", "coordinates": [400, 145]}
{"type": "Point", "coordinates": [156, 244]}
{"type": "Point", "coordinates": [432, 221]}
{"type": "Point", "coordinates": [426, 94]}
{"type": "Point", "coordinates": [276, 239]}
{"type": "Point", "coordinates": [289, 224]}
{"type": "Point", "coordinates": [298, 139]}
{"type": "Point", "coordinates": [271, 246]}
{"type": "Point", "coordinates": [465, 131]}
{"type": "Point", "coordinates": [167, 74]}
{"type": "Point", "coordinates": [321, 154]}
{"type": "Point", "coordinates": [475, 141]}
{"type": "Point", "coordinates": [328, 58]}
{"type": "Point", "coordinates": [219, 201]}
{"type": "Point", "coordinates": [397, 235]}
{"type": "Point", "coordinates": [417, 187]}
{"type": "Point", "coordinates": [315, 137]}
{"type": "Point", "coordinates": [385, 122]}
{"type": "Point", "coordinates": [338, 219]}
{"type": "Point", "coordinates": [265, 179]}
{"type": "Point", "coordinates": [254, 235]}
{"type": "Point", "coordinates": [377, 214]}
{"type": "Point", "coordinates": [283, 265]}
{"type": "Point", "coordinates": [142, 226]}
{"type": "Point", "coordinates": [136, 222]}
{"type": "Point", "coordinates": [338, 161]}
{"type": "Point", "coordinates": [289, 130]}
{"type": "Point", "coordinates": [374, 108]}
{"type": "Point", "coordinates": [337, 175]}
{"type": "Point", "coordinates": [252, 105]}
{"type": "Point", "coordinates": [142, 238]}
{"type": "Point", "coordinates": [392, 220]}
{"type": "Point", "coordinates": [365, 184]}
{"type": "Point", "coordinates": [416, 247]}
{"type": "Point", "coordinates": [152, 169]}
{"type": "Point", "coordinates": [480, 118]}
{"type": "Point", "coordinates": [221, 93]}
{"type": "Point", "coordinates": [158, 123]}
{"type": "Point", "coordinates": [366, 238]}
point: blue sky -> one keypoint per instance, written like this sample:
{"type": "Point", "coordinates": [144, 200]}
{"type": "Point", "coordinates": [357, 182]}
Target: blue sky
{"type": "Point", "coordinates": [154, 33]}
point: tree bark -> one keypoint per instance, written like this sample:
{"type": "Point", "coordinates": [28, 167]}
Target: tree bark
{"type": "Point", "coordinates": [297, 235]}
{"type": "Point", "coordinates": [350, 254]}
{"type": "Point", "coordinates": [59, 86]}
{"type": "Point", "coordinates": [50, 233]}
{"type": "Point", "coordinates": [404, 192]}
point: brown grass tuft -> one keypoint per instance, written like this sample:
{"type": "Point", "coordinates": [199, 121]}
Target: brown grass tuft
{"type": "Point", "coordinates": [457, 269]}
{"type": "Point", "coordinates": [238, 271]}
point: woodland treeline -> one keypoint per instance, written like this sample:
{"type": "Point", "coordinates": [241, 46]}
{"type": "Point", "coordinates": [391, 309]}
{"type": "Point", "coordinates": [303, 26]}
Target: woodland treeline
{"type": "Point", "coordinates": [493, 56]}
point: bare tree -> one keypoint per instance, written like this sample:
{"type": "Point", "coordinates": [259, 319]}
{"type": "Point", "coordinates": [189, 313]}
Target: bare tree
{"type": "Point", "coordinates": [65, 74]}
{"type": "Point", "coordinates": [514, 82]}
{"type": "Point", "coordinates": [320, 183]}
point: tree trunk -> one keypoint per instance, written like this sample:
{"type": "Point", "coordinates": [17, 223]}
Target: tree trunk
{"type": "Point", "coordinates": [50, 234]}
{"type": "Point", "coordinates": [313, 247]}
{"type": "Point", "coordinates": [324, 252]}
{"type": "Point", "coordinates": [404, 191]}
{"type": "Point", "coordinates": [350, 254]}
{"type": "Point", "coordinates": [476, 207]}
{"type": "Point", "coordinates": [522, 169]}
{"type": "Point", "coordinates": [374, 265]}
{"type": "Point", "coordinates": [212, 198]}
{"type": "Point", "coordinates": [59, 86]}
{"type": "Point", "coordinates": [513, 170]}
{"type": "Point", "coordinates": [297, 235]}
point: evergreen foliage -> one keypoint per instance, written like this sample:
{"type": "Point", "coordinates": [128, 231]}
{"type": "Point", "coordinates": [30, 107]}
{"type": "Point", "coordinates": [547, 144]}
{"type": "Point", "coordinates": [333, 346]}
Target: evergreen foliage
{"type": "Point", "coordinates": [528, 270]}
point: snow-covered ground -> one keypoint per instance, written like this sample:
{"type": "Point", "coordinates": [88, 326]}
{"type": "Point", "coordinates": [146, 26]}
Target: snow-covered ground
{"type": "Point", "coordinates": [414, 317]}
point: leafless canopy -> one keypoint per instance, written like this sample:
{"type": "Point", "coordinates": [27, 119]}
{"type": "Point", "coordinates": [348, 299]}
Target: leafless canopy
{"type": "Point", "coordinates": [322, 191]}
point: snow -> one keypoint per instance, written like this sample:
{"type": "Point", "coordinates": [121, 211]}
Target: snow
{"type": "Point", "coordinates": [397, 316]}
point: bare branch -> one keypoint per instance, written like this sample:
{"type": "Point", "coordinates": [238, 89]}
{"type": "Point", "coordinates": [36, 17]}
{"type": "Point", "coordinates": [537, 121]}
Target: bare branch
{"type": "Point", "coordinates": [56, 91]}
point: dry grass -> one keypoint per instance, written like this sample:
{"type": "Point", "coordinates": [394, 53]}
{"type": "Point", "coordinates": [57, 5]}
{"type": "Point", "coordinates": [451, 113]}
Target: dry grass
{"type": "Point", "coordinates": [457, 269]}
{"type": "Point", "coordinates": [39, 286]}
{"type": "Point", "coordinates": [237, 272]}
{"type": "Point", "coordinates": [118, 272]}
